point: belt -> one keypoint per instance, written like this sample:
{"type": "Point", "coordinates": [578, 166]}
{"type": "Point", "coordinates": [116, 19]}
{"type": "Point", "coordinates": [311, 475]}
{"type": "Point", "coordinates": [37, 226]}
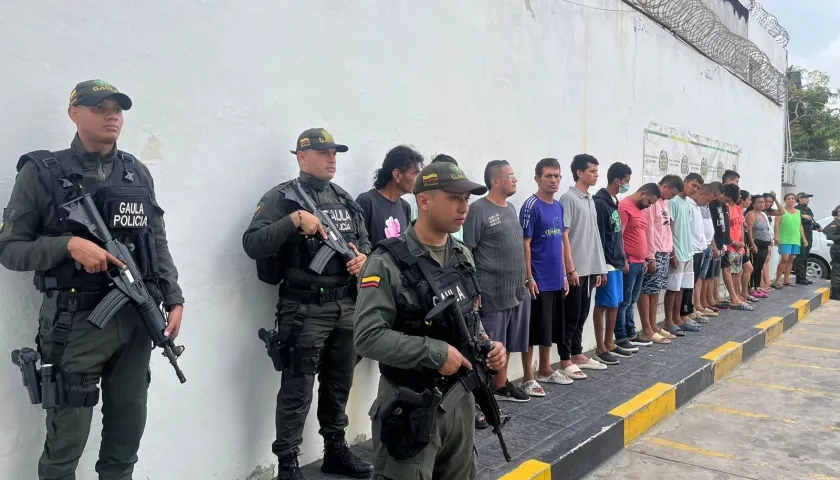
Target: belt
{"type": "Point", "coordinates": [309, 293]}
{"type": "Point", "coordinates": [78, 301]}
{"type": "Point", "coordinates": [453, 388]}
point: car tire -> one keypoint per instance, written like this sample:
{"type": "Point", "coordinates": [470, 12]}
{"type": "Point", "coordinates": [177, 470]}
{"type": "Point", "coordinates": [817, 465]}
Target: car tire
{"type": "Point", "coordinates": [819, 263]}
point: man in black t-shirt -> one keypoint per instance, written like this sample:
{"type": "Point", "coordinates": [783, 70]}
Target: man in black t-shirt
{"type": "Point", "coordinates": [720, 220]}
{"type": "Point", "coordinates": [386, 214]}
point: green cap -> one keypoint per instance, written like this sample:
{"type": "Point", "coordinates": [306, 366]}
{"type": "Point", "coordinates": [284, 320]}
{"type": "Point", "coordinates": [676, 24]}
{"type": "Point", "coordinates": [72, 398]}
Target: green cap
{"type": "Point", "coordinates": [448, 177]}
{"type": "Point", "coordinates": [317, 139]}
{"type": "Point", "coordinates": [91, 92]}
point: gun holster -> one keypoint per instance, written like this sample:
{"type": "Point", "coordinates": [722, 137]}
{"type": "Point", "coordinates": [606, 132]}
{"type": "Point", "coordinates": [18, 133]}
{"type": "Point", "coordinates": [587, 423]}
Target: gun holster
{"type": "Point", "coordinates": [274, 348]}
{"type": "Point", "coordinates": [407, 426]}
{"type": "Point", "coordinates": [287, 355]}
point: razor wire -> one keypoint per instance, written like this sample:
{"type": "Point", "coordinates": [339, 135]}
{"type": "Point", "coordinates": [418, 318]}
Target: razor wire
{"type": "Point", "coordinates": [700, 27]}
{"type": "Point", "coordinates": [768, 21]}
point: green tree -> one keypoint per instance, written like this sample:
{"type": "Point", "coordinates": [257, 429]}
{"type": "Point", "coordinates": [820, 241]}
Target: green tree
{"type": "Point", "coordinates": [813, 116]}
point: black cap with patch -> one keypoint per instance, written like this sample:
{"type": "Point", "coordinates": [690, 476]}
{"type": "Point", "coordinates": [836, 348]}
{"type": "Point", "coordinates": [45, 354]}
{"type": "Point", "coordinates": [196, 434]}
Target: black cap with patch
{"type": "Point", "coordinates": [317, 139]}
{"type": "Point", "coordinates": [91, 92]}
{"type": "Point", "coordinates": [804, 195]}
{"type": "Point", "coordinates": [448, 177]}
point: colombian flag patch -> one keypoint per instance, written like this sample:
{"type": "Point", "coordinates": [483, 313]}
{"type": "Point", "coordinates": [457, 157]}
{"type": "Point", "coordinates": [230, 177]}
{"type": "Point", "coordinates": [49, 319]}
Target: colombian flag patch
{"type": "Point", "coordinates": [372, 281]}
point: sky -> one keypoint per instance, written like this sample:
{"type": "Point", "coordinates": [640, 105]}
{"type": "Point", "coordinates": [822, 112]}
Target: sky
{"type": "Point", "coordinates": [814, 29]}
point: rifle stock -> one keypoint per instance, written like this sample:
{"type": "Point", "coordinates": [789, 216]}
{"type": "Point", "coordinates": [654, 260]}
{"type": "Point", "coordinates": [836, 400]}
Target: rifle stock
{"type": "Point", "coordinates": [127, 282]}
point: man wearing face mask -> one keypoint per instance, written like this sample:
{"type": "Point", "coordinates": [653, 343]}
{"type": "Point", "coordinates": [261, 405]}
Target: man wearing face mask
{"type": "Point", "coordinates": [832, 234]}
{"type": "Point", "coordinates": [609, 296]}
{"type": "Point", "coordinates": [314, 326]}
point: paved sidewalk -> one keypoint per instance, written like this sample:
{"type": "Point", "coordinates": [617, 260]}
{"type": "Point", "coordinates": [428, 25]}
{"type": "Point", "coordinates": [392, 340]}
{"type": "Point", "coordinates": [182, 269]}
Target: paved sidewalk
{"type": "Point", "coordinates": [775, 417]}
{"type": "Point", "coordinates": [577, 427]}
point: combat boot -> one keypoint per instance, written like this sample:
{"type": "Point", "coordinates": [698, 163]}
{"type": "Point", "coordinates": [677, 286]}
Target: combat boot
{"type": "Point", "coordinates": [339, 460]}
{"type": "Point", "coordinates": [288, 468]}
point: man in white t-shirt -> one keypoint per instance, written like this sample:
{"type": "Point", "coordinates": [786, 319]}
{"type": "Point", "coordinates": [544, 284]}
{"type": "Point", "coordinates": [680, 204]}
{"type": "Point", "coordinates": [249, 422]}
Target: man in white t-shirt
{"type": "Point", "coordinates": [702, 234]}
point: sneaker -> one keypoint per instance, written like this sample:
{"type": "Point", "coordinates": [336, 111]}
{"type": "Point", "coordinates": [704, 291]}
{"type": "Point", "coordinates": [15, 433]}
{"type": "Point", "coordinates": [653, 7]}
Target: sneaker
{"type": "Point", "coordinates": [628, 346]}
{"type": "Point", "coordinates": [620, 352]}
{"type": "Point", "coordinates": [511, 393]}
{"type": "Point", "coordinates": [641, 342]}
{"type": "Point", "coordinates": [607, 358]}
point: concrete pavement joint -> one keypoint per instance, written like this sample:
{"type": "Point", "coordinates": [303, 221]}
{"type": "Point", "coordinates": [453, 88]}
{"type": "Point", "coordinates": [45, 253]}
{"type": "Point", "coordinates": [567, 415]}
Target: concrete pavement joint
{"type": "Point", "coordinates": [682, 462]}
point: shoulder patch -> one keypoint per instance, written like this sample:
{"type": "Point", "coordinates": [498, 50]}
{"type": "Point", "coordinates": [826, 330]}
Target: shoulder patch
{"type": "Point", "coordinates": [371, 281]}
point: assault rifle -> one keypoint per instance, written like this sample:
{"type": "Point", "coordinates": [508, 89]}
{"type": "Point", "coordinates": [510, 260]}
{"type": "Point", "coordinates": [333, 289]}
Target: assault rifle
{"type": "Point", "coordinates": [475, 349]}
{"type": "Point", "coordinates": [128, 283]}
{"type": "Point", "coordinates": [334, 242]}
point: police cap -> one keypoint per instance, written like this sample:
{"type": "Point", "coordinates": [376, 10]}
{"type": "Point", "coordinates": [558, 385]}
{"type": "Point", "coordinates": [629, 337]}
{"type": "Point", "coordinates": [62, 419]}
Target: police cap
{"type": "Point", "coordinates": [91, 92]}
{"type": "Point", "coordinates": [448, 177]}
{"type": "Point", "coordinates": [317, 139]}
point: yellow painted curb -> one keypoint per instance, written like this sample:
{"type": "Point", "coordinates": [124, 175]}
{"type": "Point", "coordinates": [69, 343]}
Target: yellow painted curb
{"type": "Point", "coordinates": [826, 294]}
{"type": "Point", "coordinates": [725, 358]}
{"type": "Point", "coordinates": [773, 328]}
{"type": "Point", "coordinates": [803, 308]}
{"type": "Point", "coordinates": [646, 410]}
{"type": "Point", "coordinates": [530, 470]}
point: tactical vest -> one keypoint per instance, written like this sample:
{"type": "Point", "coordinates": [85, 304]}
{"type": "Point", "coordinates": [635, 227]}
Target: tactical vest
{"type": "Point", "coordinates": [425, 284]}
{"type": "Point", "coordinates": [125, 201]}
{"type": "Point", "coordinates": [298, 251]}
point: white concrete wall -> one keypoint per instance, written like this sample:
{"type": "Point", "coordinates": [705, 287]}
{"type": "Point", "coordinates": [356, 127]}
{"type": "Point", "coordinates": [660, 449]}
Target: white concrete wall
{"type": "Point", "coordinates": [221, 92]}
{"type": "Point", "coordinates": [767, 44]}
{"type": "Point", "coordinates": [819, 179]}
{"type": "Point", "coordinates": [728, 16]}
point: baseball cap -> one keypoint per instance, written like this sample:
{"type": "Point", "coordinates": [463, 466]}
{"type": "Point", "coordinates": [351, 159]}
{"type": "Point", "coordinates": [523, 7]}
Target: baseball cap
{"type": "Point", "coordinates": [448, 177]}
{"type": "Point", "coordinates": [804, 195]}
{"type": "Point", "coordinates": [317, 139]}
{"type": "Point", "coordinates": [91, 92]}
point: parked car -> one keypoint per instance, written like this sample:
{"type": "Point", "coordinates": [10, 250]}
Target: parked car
{"type": "Point", "coordinates": [819, 262]}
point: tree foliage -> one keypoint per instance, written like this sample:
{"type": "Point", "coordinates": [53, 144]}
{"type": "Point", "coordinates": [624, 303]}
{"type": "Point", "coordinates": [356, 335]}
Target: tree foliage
{"type": "Point", "coordinates": [813, 116]}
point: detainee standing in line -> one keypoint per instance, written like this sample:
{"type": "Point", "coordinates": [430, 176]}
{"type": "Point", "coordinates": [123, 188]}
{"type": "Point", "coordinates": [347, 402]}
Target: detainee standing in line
{"type": "Point", "coordinates": [493, 234]}
{"type": "Point", "coordinates": [634, 234]}
{"type": "Point", "coordinates": [610, 295]}
{"type": "Point", "coordinates": [588, 269]}
{"type": "Point", "coordinates": [547, 257]}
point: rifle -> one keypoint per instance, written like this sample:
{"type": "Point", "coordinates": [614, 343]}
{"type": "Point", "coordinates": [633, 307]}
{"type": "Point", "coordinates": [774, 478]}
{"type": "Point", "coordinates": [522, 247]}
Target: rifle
{"type": "Point", "coordinates": [476, 349]}
{"type": "Point", "coordinates": [334, 243]}
{"type": "Point", "coordinates": [128, 283]}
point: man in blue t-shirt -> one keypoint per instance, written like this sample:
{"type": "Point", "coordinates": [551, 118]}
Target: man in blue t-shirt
{"type": "Point", "coordinates": [546, 252]}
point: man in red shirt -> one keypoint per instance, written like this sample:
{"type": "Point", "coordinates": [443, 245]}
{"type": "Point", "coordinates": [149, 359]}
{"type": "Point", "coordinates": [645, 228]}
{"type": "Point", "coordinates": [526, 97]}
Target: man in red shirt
{"type": "Point", "coordinates": [634, 233]}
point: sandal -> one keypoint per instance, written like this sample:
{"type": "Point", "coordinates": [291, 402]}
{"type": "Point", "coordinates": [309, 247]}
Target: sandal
{"type": "Point", "coordinates": [666, 334]}
{"type": "Point", "coordinates": [574, 372]}
{"type": "Point", "coordinates": [657, 338]}
{"type": "Point", "coordinates": [533, 389]}
{"type": "Point", "coordinates": [675, 330]}
{"type": "Point", "coordinates": [558, 378]}
{"type": "Point", "coordinates": [744, 306]}
{"type": "Point", "coordinates": [592, 364]}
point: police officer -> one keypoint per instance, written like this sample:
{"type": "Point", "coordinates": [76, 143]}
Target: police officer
{"type": "Point", "coordinates": [315, 312]}
{"type": "Point", "coordinates": [832, 234]}
{"type": "Point", "coordinates": [69, 270]}
{"type": "Point", "coordinates": [800, 263]}
{"type": "Point", "coordinates": [400, 283]}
